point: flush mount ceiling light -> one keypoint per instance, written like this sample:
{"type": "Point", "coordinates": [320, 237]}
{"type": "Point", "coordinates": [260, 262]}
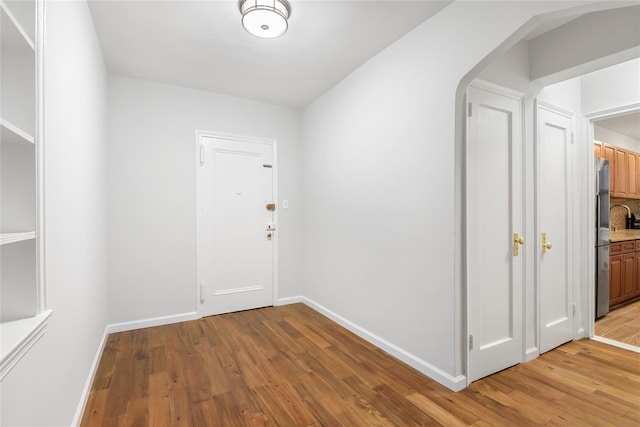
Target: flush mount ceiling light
{"type": "Point", "coordinates": [265, 18]}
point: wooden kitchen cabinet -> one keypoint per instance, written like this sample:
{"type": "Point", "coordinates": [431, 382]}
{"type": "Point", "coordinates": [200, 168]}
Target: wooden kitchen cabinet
{"type": "Point", "coordinates": [624, 272]}
{"type": "Point", "coordinates": [615, 280]}
{"type": "Point", "coordinates": [620, 172]}
{"type": "Point", "coordinates": [636, 289]}
{"type": "Point", "coordinates": [609, 153]}
{"type": "Point", "coordinates": [631, 174]}
{"type": "Point", "coordinates": [625, 169]}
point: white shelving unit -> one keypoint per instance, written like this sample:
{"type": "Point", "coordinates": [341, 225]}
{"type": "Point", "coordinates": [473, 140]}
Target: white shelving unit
{"type": "Point", "coordinates": [23, 314]}
{"type": "Point", "coordinates": [6, 238]}
{"type": "Point", "coordinates": [12, 134]}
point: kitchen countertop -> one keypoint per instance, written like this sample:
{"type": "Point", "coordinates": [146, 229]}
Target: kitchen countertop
{"type": "Point", "coordinates": [623, 235]}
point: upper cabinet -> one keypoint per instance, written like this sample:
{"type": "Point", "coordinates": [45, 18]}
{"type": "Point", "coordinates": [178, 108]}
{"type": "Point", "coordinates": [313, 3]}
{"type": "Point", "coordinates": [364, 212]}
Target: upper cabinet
{"type": "Point", "coordinates": [625, 169]}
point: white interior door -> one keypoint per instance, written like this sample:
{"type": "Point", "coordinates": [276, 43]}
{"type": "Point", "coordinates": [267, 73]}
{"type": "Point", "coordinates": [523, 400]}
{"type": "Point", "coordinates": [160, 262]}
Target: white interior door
{"type": "Point", "coordinates": [494, 214]}
{"type": "Point", "coordinates": [554, 131]}
{"type": "Point", "coordinates": [236, 227]}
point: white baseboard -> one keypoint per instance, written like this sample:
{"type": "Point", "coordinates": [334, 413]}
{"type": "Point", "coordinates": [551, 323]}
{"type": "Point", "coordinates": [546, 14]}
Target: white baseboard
{"type": "Point", "coordinates": [287, 301]}
{"type": "Point", "coordinates": [453, 383]}
{"type": "Point", "coordinates": [155, 321]}
{"type": "Point", "coordinates": [84, 397]}
{"type": "Point", "coordinates": [531, 353]}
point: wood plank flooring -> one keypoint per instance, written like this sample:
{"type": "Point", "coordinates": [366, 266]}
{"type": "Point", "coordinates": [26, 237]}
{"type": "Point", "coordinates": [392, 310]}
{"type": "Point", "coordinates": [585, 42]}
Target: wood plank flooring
{"type": "Point", "coordinates": [290, 366]}
{"type": "Point", "coordinates": [621, 324]}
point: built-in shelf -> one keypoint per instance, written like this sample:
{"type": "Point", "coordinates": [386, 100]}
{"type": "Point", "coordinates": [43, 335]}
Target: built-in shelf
{"type": "Point", "coordinates": [6, 238]}
{"type": "Point", "coordinates": [23, 314]}
{"type": "Point", "coordinates": [12, 134]}
{"type": "Point", "coordinates": [17, 337]}
{"type": "Point", "coordinates": [13, 36]}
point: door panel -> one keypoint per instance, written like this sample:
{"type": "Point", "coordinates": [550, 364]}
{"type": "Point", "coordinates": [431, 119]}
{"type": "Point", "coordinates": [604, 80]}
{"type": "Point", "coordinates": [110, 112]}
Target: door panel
{"type": "Point", "coordinates": [632, 190]}
{"type": "Point", "coordinates": [629, 271]}
{"type": "Point", "coordinates": [615, 279]}
{"type": "Point", "coordinates": [494, 186]}
{"type": "Point", "coordinates": [236, 231]}
{"type": "Point", "coordinates": [609, 153]}
{"type": "Point", "coordinates": [554, 133]}
{"type": "Point", "coordinates": [621, 174]}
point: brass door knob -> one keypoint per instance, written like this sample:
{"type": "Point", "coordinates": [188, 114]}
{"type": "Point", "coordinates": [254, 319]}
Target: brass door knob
{"type": "Point", "coordinates": [269, 235]}
{"type": "Point", "coordinates": [545, 245]}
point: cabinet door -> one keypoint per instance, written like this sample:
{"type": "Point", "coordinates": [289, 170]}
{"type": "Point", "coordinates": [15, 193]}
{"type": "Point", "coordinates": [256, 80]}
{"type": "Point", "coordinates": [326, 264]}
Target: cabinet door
{"type": "Point", "coordinates": [628, 276]}
{"type": "Point", "coordinates": [637, 176]}
{"type": "Point", "coordinates": [597, 149]}
{"type": "Point", "coordinates": [615, 279]}
{"type": "Point", "coordinates": [620, 172]}
{"type": "Point", "coordinates": [632, 188]}
{"type": "Point", "coordinates": [636, 287]}
{"type": "Point", "coordinates": [609, 153]}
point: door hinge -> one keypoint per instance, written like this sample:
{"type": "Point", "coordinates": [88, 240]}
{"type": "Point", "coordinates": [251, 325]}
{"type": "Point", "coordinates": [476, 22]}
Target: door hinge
{"type": "Point", "coordinates": [574, 309]}
{"type": "Point", "coordinates": [202, 298]}
{"type": "Point", "coordinates": [470, 110]}
{"type": "Point", "coordinates": [572, 139]}
{"type": "Point", "coordinates": [470, 342]}
{"type": "Point", "coordinates": [201, 154]}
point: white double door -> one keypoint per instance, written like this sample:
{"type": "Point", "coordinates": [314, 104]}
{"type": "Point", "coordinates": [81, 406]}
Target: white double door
{"type": "Point", "coordinates": [498, 246]}
{"type": "Point", "coordinates": [235, 224]}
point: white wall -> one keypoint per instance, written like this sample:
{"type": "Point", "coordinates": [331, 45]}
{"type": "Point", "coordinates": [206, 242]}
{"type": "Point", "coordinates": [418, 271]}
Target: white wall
{"type": "Point", "coordinates": [152, 191]}
{"type": "Point", "coordinates": [615, 138]}
{"type": "Point", "coordinates": [612, 87]}
{"type": "Point", "coordinates": [556, 55]}
{"type": "Point", "coordinates": [44, 389]}
{"type": "Point", "coordinates": [379, 168]}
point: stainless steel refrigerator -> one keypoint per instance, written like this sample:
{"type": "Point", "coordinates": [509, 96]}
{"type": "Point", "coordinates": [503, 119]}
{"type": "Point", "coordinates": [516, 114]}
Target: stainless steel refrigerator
{"type": "Point", "coordinates": [602, 237]}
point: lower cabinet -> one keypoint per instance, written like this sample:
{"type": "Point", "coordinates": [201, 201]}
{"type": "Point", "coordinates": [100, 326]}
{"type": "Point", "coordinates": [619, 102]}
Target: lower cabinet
{"type": "Point", "coordinates": [624, 272]}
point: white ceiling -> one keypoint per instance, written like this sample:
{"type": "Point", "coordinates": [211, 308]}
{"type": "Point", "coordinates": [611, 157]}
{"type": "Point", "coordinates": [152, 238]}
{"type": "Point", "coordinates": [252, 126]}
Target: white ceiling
{"type": "Point", "coordinates": [202, 45]}
{"type": "Point", "coordinates": [629, 124]}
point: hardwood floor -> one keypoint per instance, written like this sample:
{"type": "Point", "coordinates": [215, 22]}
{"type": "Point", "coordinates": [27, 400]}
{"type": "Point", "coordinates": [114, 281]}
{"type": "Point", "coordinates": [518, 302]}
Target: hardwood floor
{"type": "Point", "coordinates": [621, 324]}
{"type": "Point", "coordinates": [290, 366]}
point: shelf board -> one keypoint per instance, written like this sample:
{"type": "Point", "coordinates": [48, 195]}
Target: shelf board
{"type": "Point", "coordinates": [13, 36]}
{"type": "Point", "coordinates": [7, 238]}
{"type": "Point", "coordinates": [17, 337]}
{"type": "Point", "coordinates": [12, 134]}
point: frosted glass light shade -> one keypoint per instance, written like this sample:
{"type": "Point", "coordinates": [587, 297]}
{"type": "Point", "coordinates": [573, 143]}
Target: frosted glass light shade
{"type": "Point", "coordinates": [265, 18]}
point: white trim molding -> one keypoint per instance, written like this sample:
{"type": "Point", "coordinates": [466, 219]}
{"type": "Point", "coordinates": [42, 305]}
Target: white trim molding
{"type": "Point", "coordinates": [454, 383]}
{"type": "Point", "coordinates": [154, 321]}
{"type": "Point", "coordinates": [84, 397]}
{"type": "Point", "coordinates": [531, 353]}
{"type": "Point", "coordinates": [18, 337]}
{"type": "Point", "coordinates": [615, 343]}
{"type": "Point", "coordinates": [287, 301]}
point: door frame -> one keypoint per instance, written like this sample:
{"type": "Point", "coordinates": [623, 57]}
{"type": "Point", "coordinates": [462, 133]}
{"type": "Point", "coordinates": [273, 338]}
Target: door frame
{"type": "Point", "coordinates": [570, 172]}
{"type": "Point", "coordinates": [503, 91]}
{"type": "Point", "coordinates": [588, 126]}
{"type": "Point", "coordinates": [234, 137]}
